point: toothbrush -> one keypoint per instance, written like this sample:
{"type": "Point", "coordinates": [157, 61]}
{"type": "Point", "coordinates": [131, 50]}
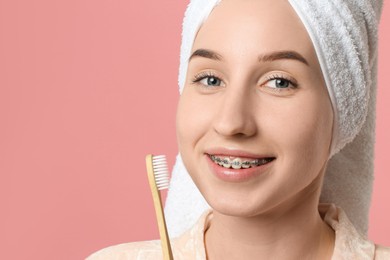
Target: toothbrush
{"type": "Point", "coordinates": [157, 169]}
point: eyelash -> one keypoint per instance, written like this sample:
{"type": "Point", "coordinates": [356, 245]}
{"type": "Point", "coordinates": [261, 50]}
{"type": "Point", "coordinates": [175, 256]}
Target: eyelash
{"type": "Point", "coordinates": [292, 82]}
{"type": "Point", "coordinates": [197, 78]}
{"type": "Point", "coordinates": [203, 75]}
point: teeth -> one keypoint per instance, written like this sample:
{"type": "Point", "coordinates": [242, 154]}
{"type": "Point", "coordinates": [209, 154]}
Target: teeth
{"type": "Point", "coordinates": [226, 163]}
{"type": "Point", "coordinates": [254, 163]}
{"type": "Point", "coordinates": [220, 161]}
{"type": "Point", "coordinates": [238, 163]}
{"type": "Point", "coordinates": [245, 164]}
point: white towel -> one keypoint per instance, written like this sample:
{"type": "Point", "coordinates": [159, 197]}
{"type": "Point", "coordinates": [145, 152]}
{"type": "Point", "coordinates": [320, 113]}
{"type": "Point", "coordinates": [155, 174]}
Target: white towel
{"type": "Point", "coordinates": [344, 34]}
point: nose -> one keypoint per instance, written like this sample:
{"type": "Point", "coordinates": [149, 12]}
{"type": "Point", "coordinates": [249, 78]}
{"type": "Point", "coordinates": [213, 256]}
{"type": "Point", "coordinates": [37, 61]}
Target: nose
{"type": "Point", "coordinates": [235, 114]}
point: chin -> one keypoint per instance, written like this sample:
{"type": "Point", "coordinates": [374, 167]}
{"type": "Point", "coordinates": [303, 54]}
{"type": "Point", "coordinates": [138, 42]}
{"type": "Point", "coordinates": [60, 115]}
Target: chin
{"type": "Point", "coordinates": [238, 206]}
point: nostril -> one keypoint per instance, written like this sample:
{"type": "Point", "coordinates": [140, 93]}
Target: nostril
{"type": "Point", "coordinates": [234, 127]}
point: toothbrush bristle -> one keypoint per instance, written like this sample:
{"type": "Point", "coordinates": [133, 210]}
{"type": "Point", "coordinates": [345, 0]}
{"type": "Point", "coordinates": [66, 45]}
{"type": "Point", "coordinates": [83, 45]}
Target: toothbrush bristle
{"type": "Point", "coordinates": [160, 169]}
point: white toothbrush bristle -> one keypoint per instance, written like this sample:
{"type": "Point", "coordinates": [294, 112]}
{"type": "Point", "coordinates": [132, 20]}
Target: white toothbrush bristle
{"type": "Point", "coordinates": [160, 169]}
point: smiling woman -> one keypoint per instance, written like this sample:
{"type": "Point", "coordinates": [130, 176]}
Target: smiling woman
{"type": "Point", "coordinates": [252, 112]}
{"type": "Point", "coordinates": [266, 102]}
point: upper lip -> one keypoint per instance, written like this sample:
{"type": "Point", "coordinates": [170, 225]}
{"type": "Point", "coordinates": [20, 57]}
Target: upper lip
{"type": "Point", "coordinates": [236, 153]}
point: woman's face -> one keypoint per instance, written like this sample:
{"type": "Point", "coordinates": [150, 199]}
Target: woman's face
{"type": "Point", "coordinates": [254, 97]}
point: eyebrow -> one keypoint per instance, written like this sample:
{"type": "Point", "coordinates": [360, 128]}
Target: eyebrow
{"type": "Point", "coordinates": [283, 55]}
{"type": "Point", "coordinates": [278, 55]}
{"type": "Point", "coordinates": [209, 54]}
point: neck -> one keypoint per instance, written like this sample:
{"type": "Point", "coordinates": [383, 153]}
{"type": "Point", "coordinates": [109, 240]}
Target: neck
{"type": "Point", "coordinates": [289, 232]}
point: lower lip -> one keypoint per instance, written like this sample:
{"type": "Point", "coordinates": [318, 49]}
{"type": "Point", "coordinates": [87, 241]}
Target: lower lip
{"type": "Point", "coordinates": [237, 175]}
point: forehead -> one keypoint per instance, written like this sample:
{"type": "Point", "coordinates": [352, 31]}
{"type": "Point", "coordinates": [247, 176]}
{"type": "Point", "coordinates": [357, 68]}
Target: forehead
{"type": "Point", "coordinates": [242, 27]}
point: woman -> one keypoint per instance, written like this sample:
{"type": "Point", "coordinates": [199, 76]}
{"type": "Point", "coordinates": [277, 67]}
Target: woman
{"type": "Point", "coordinates": [264, 106]}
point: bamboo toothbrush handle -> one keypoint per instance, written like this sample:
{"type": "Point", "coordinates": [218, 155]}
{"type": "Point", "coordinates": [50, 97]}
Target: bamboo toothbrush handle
{"type": "Point", "coordinates": [165, 243]}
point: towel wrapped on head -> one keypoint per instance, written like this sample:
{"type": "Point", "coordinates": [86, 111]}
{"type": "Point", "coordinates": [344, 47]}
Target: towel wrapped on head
{"type": "Point", "coordinates": [344, 35]}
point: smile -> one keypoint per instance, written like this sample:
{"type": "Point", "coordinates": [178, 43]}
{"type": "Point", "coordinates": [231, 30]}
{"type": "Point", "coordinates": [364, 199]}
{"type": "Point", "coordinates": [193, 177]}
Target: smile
{"type": "Point", "coordinates": [238, 162]}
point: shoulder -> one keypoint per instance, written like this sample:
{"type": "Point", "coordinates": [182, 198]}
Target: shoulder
{"type": "Point", "coordinates": [350, 243]}
{"type": "Point", "coordinates": [382, 252]}
{"type": "Point", "coordinates": [136, 250]}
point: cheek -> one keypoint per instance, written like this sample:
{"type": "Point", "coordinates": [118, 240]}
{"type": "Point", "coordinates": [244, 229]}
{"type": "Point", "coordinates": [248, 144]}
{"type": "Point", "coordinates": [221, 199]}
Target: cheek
{"type": "Point", "coordinates": [193, 120]}
{"type": "Point", "coordinates": [304, 128]}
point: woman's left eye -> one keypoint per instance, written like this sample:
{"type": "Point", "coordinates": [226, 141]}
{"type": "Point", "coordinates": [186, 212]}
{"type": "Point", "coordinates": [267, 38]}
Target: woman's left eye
{"type": "Point", "coordinates": [279, 83]}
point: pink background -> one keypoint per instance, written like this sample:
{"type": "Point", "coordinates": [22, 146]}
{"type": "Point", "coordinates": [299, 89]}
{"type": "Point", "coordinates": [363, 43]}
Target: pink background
{"type": "Point", "coordinates": [87, 89]}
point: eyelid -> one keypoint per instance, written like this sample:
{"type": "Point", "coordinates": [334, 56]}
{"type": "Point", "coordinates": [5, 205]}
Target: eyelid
{"type": "Point", "coordinates": [269, 76]}
{"type": "Point", "coordinates": [279, 75]}
{"type": "Point", "coordinates": [205, 74]}
{"type": "Point", "coordinates": [293, 84]}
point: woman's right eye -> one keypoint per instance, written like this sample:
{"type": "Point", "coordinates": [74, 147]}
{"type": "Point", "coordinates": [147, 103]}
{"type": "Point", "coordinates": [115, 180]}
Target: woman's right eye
{"type": "Point", "coordinates": [208, 80]}
{"type": "Point", "coordinates": [211, 81]}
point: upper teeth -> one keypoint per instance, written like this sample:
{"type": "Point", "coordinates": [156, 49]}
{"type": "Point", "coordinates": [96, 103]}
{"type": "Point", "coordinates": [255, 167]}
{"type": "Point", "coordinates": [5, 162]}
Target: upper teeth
{"type": "Point", "coordinates": [238, 163]}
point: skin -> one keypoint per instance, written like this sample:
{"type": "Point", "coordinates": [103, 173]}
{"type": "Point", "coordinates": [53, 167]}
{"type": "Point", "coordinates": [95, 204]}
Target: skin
{"type": "Point", "coordinates": [238, 105]}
